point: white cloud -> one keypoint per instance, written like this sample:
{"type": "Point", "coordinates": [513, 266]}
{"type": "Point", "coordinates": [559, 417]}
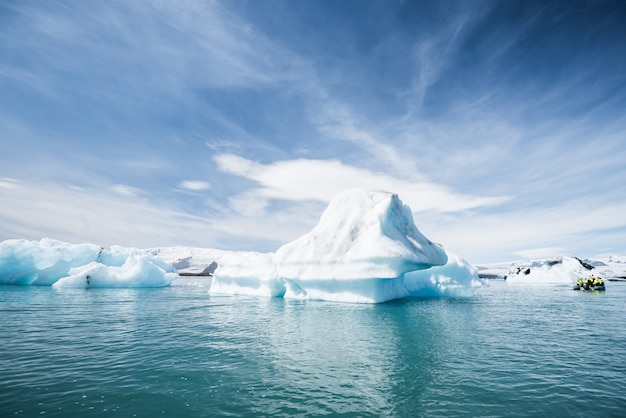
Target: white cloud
{"type": "Point", "coordinates": [433, 54]}
{"type": "Point", "coordinates": [139, 54]}
{"type": "Point", "coordinates": [337, 121]}
{"type": "Point", "coordinates": [124, 190]}
{"type": "Point", "coordinates": [98, 215]}
{"type": "Point", "coordinates": [321, 180]}
{"type": "Point", "coordinates": [221, 144]}
{"type": "Point", "coordinates": [194, 185]}
{"type": "Point", "coordinates": [573, 226]}
{"type": "Point", "coordinates": [8, 183]}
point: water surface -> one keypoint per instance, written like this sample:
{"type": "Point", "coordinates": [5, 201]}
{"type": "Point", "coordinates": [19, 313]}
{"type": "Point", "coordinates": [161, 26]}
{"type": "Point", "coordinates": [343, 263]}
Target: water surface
{"type": "Point", "coordinates": [508, 351]}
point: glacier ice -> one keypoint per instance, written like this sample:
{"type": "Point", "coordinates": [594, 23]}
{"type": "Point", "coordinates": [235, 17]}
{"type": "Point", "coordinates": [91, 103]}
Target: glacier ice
{"type": "Point", "coordinates": [190, 261]}
{"type": "Point", "coordinates": [366, 248]}
{"type": "Point", "coordinates": [563, 270]}
{"type": "Point", "coordinates": [457, 278]}
{"type": "Point", "coordinates": [49, 262]}
{"type": "Point", "coordinates": [42, 262]}
{"type": "Point", "coordinates": [362, 234]}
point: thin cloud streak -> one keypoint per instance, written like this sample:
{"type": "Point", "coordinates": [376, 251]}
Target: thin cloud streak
{"type": "Point", "coordinates": [110, 216]}
{"type": "Point", "coordinates": [572, 225]}
{"type": "Point", "coordinates": [433, 54]}
{"type": "Point", "coordinates": [321, 180]}
{"type": "Point", "coordinates": [194, 185]}
{"type": "Point", "coordinates": [100, 216]}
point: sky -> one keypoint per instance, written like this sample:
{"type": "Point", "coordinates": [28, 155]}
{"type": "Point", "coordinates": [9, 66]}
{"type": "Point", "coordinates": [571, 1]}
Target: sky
{"type": "Point", "coordinates": [232, 124]}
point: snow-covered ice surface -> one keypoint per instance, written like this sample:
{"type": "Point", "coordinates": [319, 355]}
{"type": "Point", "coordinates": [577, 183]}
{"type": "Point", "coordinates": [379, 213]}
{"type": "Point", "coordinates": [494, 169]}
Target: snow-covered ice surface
{"type": "Point", "coordinates": [366, 248]}
{"type": "Point", "coordinates": [189, 260]}
{"type": "Point", "coordinates": [49, 262]}
{"type": "Point", "coordinates": [362, 234]}
{"type": "Point", "coordinates": [558, 270]}
{"type": "Point", "coordinates": [610, 266]}
{"type": "Point", "coordinates": [563, 270]}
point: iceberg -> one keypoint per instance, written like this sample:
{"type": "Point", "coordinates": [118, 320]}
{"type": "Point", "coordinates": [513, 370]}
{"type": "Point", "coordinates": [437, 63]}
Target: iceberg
{"type": "Point", "coordinates": [563, 270]}
{"type": "Point", "coordinates": [365, 249]}
{"type": "Point", "coordinates": [42, 262]}
{"type": "Point", "coordinates": [55, 263]}
{"type": "Point", "coordinates": [361, 234]}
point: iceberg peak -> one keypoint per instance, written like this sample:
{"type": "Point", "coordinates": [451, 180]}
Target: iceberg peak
{"type": "Point", "coordinates": [361, 234]}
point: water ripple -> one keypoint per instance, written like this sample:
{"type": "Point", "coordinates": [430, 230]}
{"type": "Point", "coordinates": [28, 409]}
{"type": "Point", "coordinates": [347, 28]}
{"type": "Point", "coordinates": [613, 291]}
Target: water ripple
{"type": "Point", "coordinates": [178, 351]}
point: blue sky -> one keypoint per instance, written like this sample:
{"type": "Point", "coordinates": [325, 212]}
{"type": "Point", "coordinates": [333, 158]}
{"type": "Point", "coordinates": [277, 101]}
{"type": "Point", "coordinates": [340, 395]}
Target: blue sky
{"type": "Point", "coordinates": [232, 124]}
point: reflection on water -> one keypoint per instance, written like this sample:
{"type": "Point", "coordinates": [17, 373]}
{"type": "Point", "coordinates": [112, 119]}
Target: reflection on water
{"type": "Point", "coordinates": [178, 351]}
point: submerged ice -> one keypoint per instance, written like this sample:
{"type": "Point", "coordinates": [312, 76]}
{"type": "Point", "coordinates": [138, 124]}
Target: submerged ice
{"type": "Point", "coordinates": [365, 248]}
{"type": "Point", "coordinates": [49, 262]}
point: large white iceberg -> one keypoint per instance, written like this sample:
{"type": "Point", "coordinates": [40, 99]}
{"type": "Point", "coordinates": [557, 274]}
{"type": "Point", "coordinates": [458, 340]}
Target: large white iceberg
{"type": "Point", "coordinates": [362, 234]}
{"type": "Point", "coordinates": [49, 262]}
{"type": "Point", "coordinates": [366, 248]}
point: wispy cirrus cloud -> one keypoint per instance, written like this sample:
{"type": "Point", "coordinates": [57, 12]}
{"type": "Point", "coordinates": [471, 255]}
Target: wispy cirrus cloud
{"type": "Point", "coordinates": [136, 55]}
{"type": "Point", "coordinates": [96, 214]}
{"type": "Point", "coordinates": [117, 215]}
{"type": "Point", "coordinates": [125, 190]}
{"type": "Point", "coordinates": [437, 51]}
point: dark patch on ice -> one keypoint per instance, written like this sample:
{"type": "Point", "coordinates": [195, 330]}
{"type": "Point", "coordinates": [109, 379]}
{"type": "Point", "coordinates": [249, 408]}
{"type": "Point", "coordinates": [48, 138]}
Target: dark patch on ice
{"type": "Point", "coordinates": [584, 264]}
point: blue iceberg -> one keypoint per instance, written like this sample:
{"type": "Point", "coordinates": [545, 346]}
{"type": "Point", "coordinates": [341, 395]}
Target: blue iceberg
{"type": "Point", "coordinates": [55, 263]}
{"type": "Point", "coordinates": [365, 249]}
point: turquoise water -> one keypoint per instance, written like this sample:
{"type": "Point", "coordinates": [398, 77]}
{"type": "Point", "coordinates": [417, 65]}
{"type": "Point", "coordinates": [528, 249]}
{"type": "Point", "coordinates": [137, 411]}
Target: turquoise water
{"type": "Point", "coordinates": [508, 351]}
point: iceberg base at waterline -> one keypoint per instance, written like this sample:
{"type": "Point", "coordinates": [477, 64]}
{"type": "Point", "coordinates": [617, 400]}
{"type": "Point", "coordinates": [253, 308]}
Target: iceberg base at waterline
{"type": "Point", "coordinates": [365, 249]}
{"type": "Point", "coordinates": [456, 278]}
{"type": "Point", "coordinates": [55, 263]}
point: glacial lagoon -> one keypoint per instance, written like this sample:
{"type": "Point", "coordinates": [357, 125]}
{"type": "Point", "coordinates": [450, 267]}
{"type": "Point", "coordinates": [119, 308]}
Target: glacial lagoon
{"type": "Point", "coordinates": [177, 351]}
